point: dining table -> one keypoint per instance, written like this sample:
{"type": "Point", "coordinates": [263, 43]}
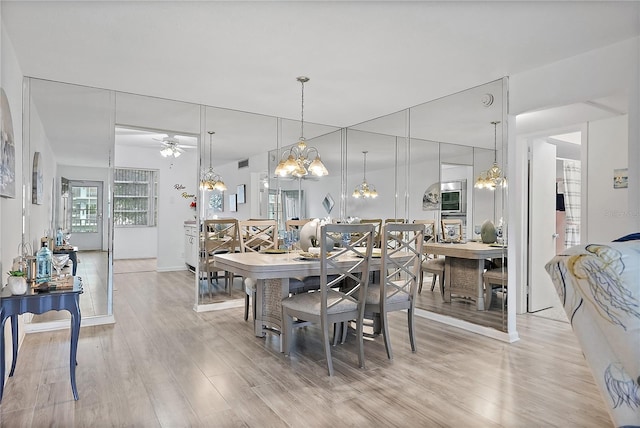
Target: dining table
{"type": "Point", "coordinates": [272, 272]}
{"type": "Point", "coordinates": [464, 266]}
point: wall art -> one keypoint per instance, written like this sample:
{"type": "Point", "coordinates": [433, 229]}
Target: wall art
{"type": "Point", "coordinates": [241, 194]}
{"type": "Point", "coordinates": [7, 150]}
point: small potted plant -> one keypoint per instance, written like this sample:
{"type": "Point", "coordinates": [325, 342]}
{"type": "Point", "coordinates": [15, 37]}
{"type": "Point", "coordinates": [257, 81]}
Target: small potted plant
{"type": "Point", "coordinates": [17, 282]}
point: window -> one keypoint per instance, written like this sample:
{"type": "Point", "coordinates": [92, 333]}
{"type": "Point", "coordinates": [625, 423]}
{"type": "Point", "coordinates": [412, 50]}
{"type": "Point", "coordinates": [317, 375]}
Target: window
{"type": "Point", "coordinates": [135, 197]}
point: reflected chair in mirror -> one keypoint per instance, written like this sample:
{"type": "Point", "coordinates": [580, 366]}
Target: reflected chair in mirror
{"type": "Point", "coordinates": [391, 221]}
{"type": "Point", "coordinates": [255, 236]}
{"type": "Point", "coordinates": [431, 264]}
{"type": "Point", "coordinates": [307, 283]}
{"type": "Point", "coordinates": [451, 230]}
{"type": "Point", "coordinates": [495, 279]}
{"type": "Point", "coordinates": [333, 304]}
{"type": "Point", "coordinates": [377, 222]}
{"type": "Point", "coordinates": [218, 236]}
{"type": "Point", "coordinates": [296, 225]}
{"type": "Point", "coordinates": [398, 287]}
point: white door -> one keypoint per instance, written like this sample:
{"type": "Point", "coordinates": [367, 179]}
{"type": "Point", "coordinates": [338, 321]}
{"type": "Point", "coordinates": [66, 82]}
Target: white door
{"type": "Point", "coordinates": [85, 200]}
{"type": "Point", "coordinates": [542, 224]}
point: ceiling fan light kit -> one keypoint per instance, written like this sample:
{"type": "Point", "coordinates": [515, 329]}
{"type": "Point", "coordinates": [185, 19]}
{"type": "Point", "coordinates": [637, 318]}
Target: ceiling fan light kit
{"type": "Point", "coordinates": [170, 146]}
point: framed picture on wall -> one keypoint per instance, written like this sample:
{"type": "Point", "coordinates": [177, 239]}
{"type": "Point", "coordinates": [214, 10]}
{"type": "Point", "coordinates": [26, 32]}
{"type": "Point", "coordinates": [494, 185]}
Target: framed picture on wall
{"type": "Point", "coordinates": [7, 150]}
{"type": "Point", "coordinates": [233, 206]}
{"type": "Point", "coordinates": [216, 202]}
{"type": "Point", "coordinates": [241, 198]}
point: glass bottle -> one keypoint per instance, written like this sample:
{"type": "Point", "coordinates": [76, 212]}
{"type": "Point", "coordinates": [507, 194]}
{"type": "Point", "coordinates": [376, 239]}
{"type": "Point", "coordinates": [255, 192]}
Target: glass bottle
{"type": "Point", "coordinates": [43, 263]}
{"type": "Point", "coordinates": [59, 238]}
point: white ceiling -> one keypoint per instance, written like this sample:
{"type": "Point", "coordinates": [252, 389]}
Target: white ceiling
{"type": "Point", "coordinates": [365, 59]}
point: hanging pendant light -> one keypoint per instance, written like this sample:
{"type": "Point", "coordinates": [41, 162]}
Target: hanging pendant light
{"type": "Point", "coordinates": [296, 161]}
{"type": "Point", "coordinates": [492, 178]}
{"type": "Point", "coordinates": [364, 189]}
{"type": "Point", "coordinates": [211, 180]}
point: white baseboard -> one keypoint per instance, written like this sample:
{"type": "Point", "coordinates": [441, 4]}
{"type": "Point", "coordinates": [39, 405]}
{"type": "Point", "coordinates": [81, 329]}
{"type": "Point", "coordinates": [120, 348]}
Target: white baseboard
{"type": "Point", "coordinates": [465, 325]}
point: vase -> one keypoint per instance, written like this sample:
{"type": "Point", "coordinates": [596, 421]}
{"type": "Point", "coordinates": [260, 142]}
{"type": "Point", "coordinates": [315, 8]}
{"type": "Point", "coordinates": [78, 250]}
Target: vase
{"type": "Point", "coordinates": [488, 232]}
{"type": "Point", "coordinates": [17, 284]}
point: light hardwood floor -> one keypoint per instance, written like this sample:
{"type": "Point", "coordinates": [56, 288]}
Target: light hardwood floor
{"type": "Point", "coordinates": [164, 365]}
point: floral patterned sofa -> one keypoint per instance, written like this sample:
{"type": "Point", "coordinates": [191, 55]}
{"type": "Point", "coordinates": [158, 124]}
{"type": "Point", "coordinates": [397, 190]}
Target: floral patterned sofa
{"type": "Point", "coordinates": [599, 286]}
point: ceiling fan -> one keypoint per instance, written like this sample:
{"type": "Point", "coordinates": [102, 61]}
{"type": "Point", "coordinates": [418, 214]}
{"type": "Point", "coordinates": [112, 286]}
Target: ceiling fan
{"type": "Point", "coordinates": [171, 146]}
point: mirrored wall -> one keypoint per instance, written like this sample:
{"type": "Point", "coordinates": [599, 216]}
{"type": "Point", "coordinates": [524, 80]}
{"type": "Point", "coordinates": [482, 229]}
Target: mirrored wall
{"type": "Point", "coordinates": [414, 156]}
{"type": "Point", "coordinates": [87, 134]}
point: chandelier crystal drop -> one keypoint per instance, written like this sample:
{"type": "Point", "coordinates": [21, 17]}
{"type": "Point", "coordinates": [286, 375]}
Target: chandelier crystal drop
{"type": "Point", "coordinates": [300, 160]}
{"type": "Point", "coordinates": [364, 189]}
{"type": "Point", "coordinates": [492, 178]}
{"type": "Point", "coordinates": [211, 180]}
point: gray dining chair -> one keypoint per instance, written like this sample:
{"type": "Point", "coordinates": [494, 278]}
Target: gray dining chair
{"type": "Point", "coordinates": [218, 236]}
{"type": "Point", "coordinates": [399, 279]}
{"type": "Point", "coordinates": [255, 236]}
{"type": "Point", "coordinates": [334, 304]}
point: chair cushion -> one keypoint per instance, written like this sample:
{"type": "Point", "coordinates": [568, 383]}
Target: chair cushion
{"type": "Point", "coordinates": [496, 275]}
{"type": "Point", "coordinates": [433, 264]}
{"type": "Point", "coordinates": [373, 295]}
{"type": "Point", "coordinates": [311, 303]}
{"type": "Point", "coordinates": [313, 282]}
{"type": "Point", "coordinates": [249, 286]}
{"type": "Point", "coordinates": [296, 285]}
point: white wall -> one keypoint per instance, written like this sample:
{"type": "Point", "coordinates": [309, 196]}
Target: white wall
{"type": "Point", "coordinates": [11, 209]}
{"type": "Point", "coordinates": [607, 208]}
{"type": "Point", "coordinates": [40, 217]}
{"type": "Point", "coordinates": [598, 73]}
{"type": "Point", "coordinates": [233, 177]}
{"type": "Point", "coordinates": [166, 241]}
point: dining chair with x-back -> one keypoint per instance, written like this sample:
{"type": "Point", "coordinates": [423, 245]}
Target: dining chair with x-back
{"type": "Point", "coordinates": [255, 236]}
{"type": "Point", "coordinates": [399, 278]}
{"type": "Point", "coordinates": [218, 236]}
{"type": "Point", "coordinates": [333, 304]}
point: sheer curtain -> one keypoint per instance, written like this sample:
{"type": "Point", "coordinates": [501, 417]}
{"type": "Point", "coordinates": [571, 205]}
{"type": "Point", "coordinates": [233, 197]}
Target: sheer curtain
{"type": "Point", "coordinates": [572, 201]}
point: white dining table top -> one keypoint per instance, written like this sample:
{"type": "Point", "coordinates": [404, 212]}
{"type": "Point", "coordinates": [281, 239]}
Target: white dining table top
{"type": "Point", "coordinates": [266, 266]}
{"type": "Point", "coordinates": [467, 250]}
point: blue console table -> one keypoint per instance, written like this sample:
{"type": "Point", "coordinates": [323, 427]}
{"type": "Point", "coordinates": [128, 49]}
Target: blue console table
{"type": "Point", "coordinates": [39, 302]}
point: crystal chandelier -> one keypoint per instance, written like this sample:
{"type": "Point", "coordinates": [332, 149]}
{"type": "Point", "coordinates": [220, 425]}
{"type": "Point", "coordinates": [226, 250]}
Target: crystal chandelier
{"type": "Point", "coordinates": [364, 189]}
{"type": "Point", "coordinates": [296, 161]}
{"type": "Point", "coordinates": [211, 180]}
{"type": "Point", "coordinates": [493, 177]}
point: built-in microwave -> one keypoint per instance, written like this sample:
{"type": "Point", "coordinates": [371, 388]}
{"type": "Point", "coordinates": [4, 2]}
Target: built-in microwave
{"type": "Point", "coordinates": [453, 197]}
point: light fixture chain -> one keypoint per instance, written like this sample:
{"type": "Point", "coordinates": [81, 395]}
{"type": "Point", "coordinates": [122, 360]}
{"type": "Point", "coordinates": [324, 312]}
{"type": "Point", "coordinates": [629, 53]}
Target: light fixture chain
{"type": "Point", "coordinates": [302, 111]}
{"type": "Point", "coordinates": [364, 174]}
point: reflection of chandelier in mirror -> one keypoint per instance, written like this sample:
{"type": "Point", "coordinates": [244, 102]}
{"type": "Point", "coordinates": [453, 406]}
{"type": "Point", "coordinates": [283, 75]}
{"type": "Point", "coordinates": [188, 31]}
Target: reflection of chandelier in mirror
{"type": "Point", "coordinates": [296, 161]}
{"type": "Point", "coordinates": [210, 180]}
{"type": "Point", "coordinates": [492, 178]}
{"type": "Point", "coordinates": [364, 189]}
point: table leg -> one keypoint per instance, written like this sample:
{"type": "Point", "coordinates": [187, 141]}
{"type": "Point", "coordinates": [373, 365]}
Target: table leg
{"type": "Point", "coordinates": [480, 301]}
{"type": "Point", "coordinates": [464, 278]}
{"type": "Point", "coordinates": [257, 323]}
{"type": "Point", "coordinates": [14, 342]}
{"type": "Point", "coordinates": [75, 332]}
{"type": "Point", "coordinates": [269, 295]}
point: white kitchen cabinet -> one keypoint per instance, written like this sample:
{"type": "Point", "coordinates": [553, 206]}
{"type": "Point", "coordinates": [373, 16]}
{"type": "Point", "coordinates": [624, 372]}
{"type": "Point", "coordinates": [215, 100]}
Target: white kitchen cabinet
{"type": "Point", "coordinates": [191, 243]}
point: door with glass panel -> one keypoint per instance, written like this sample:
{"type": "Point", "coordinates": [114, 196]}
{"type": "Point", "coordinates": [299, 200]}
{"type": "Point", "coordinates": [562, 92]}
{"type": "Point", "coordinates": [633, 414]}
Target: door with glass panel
{"type": "Point", "coordinates": [85, 209]}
